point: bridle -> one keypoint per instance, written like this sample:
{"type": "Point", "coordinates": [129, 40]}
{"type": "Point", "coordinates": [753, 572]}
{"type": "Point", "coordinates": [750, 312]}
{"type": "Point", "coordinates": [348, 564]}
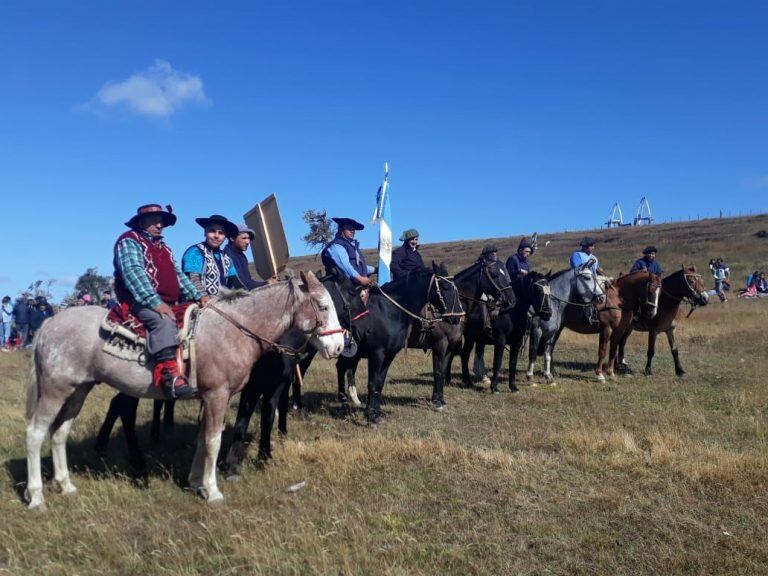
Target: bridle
{"type": "Point", "coordinates": [282, 348]}
{"type": "Point", "coordinates": [546, 301]}
{"type": "Point", "coordinates": [438, 316]}
{"type": "Point", "coordinates": [692, 293]}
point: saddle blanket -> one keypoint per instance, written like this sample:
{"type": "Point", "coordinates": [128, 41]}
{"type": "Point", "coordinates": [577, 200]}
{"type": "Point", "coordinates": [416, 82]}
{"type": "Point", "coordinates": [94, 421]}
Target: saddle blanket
{"type": "Point", "coordinates": [121, 316]}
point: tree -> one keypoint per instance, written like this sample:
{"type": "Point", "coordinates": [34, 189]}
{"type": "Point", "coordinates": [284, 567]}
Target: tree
{"type": "Point", "coordinates": [321, 229]}
{"type": "Point", "coordinates": [39, 288]}
{"type": "Point", "coordinates": [92, 283]}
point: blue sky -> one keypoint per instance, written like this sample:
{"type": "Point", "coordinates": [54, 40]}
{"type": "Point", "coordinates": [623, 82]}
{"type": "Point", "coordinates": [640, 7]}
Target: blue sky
{"type": "Point", "coordinates": [497, 118]}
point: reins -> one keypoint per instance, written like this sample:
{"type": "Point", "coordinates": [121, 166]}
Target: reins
{"type": "Point", "coordinates": [426, 321]}
{"type": "Point", "coordinates": [282, 348]}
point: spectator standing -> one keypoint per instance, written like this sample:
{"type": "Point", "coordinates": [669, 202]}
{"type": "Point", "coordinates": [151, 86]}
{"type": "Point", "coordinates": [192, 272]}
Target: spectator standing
{"type": "Point", "coordinates": [6, 322]}
{"type": "Point", "coordinates": [107, 301]}
{"type": "Point", "coordinates": [21, 317]}
{"type": "Point", "coordinates": [721, 273]}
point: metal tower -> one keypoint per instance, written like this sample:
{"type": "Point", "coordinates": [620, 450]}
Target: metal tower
{"type": "Point", "coordinates": [616, 219]}
{"type": "Point", "coordinates": [643, 215]}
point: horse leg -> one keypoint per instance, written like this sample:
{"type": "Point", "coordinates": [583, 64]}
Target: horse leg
{"type": "Point", "coordinates": [533, 348]}
{"type": "Point", "coordinates": [478, 366]}
{"type": "Point", "coordinates": [376, 365]}
{"type": "Point", "coordinates": [621, 361]}
{"type": "Point", "coordinates": [245, 408]}
{"type": "Point", "coordinates": [126, 407]}
{"type": "Point", "coordinates": [675, 354]}
{"type": "Point", "coordinates": [498, 358]}
{"type": "Point", "coordinates": [59, 432]}
{"type": "Point", "coordinates": [466, 351]}
{"type": "Point", "coordinates": [342, 365]}
{"type": "Point", "coordinates": [157, 410]}
{"type": "Point", "coordinates": [170, 406]}
{"type": "Point", "coordinates": [202, 476]}
{"type": "Point", "coordinates": [439, 360]}
{"type": "Point", "coordinates": [351, 386]}
{"type": "Point", "coordinates": [514, 351]}
{"type": "Point", "coordinates": [113, 413]}
{"type": "Point", "coordinates": [548, 348]}
{"type": "Point", "coordinates": [601, 353]}
{"type": "Point", "coordinates": [282, 405]}
{"type": "Point", "coordinates": [268, 407]}
{"type": "Point", "coordinates": [651, 351]}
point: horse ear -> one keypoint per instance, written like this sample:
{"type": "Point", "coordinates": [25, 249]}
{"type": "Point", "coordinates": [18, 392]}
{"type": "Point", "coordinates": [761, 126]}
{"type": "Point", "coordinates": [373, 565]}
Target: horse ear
{"type": "Point", "coordinates": [309, 279]}
{"type": "Point", "coordinates": [434, 267]}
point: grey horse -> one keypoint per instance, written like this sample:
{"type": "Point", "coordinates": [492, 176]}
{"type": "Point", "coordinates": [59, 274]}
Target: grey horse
{"type": "Point", "coordinates": [575, 287]}
{"type": "Point", "coordinates": [231, 336]}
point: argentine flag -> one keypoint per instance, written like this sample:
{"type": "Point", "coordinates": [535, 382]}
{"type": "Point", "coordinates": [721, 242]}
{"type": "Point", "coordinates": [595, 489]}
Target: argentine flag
{"type": "Point", "coordinates": [383, 216]}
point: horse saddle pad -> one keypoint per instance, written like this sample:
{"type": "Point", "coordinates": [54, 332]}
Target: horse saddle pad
{"type": "Point", "coordinates": [127, 336]}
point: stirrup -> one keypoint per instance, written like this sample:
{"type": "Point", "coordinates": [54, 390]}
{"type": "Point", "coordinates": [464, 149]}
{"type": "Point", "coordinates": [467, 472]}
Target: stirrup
{"type": "Point", "coordinates": [174, 390]}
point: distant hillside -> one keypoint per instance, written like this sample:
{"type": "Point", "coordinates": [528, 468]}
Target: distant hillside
{"type": "Point", "coordinates": [694, 242]}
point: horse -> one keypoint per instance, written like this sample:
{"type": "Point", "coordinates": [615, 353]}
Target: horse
{"type": "Point", "coordinates": [383, 331]}
{"type": "Point", "coordinates": [532, 298]}
{"type": "Point", "coordinates": [684, 284]}
{"type": "Point", "coordinates": [443, 338]}
{"type": "Point", "coordinates": [574, 286]}
{"type": "Point", "coordinates": [233, 332]}
{"type": "Point", "coordinates": [636, 291]}
{"type": "Point", "coordinates": [476, 282]}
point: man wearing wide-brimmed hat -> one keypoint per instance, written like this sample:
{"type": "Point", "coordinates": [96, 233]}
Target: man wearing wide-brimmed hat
{"type": "Point", "coordinates": [343, 255]}
{"type": "Point", "coordinates": [206, 264]}
{"type": "Point", "coordinates": [406, 258]}
{"type": "Point", "coordinates": [583, 256]}
{"type": "Point", "coordinates": [148, 281]}
{"type": "Point", "coordinates": [648, 262]}
{"type": "Point", "coordinates": [235, 249]}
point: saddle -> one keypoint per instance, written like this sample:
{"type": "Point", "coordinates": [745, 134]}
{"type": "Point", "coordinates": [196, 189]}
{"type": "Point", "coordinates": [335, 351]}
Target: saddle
{"type": "Point", "coordinates": [126, 336]}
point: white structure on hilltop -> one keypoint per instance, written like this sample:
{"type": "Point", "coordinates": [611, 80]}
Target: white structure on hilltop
{"type": "Point", "coordinates": [643, 215]}
{"type": "Point", "coordinates": [616, 219]}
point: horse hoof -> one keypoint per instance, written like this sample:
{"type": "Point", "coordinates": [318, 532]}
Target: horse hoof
{"type": "Point", "coordinates": [485, 380]}
{"type": "Point", "coordinates": [67, 488]}
{"type": "Point", "coordinates": [549, 378]}
{"type": "Point", "coordinates": [648, 372]}
{"type": "Point", "coordinates": [681, 374]}
{"type": "Point", "coordinates": [529, 377]}
{"type": "Point", "coordinates": [39, 507]}
{"type": "Point", "coordinates": [437, 407]}
{"type": "Point", "coordinates": [600, 378]}
{"type": "Point", "coordinates": [233, 477]}
{"type": "Point", "coordinates": [513, 388]}
{"type": "Point", "coordinates": [215, 500]}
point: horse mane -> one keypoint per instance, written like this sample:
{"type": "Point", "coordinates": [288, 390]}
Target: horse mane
{"type": "Point", "coordinates": [231, 294]}
{"type": "Point", "coordinates": [466, 270]}
{"type": "Point", "coordinates": [558, 274]}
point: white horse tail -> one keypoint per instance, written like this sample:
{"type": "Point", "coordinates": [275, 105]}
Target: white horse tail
{"type": "Point", "coordinates": [33, 384]}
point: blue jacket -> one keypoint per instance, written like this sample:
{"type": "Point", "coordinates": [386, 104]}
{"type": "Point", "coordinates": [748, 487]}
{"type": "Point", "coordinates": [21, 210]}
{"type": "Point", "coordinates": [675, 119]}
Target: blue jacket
{"type": "Point", "coordinates": [642, 264]}
{"type": "Point", "coordinates": [21, 313]}
{"type": "Point", "coordinates": [515, 264]}
{"type": "Point", "coordinates": [355, 259]}
{"type": "Point", "coordinates": [240, 262]}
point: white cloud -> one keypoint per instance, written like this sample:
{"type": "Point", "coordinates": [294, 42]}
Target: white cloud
{"type": "Point", "coordinates": [158, 92]}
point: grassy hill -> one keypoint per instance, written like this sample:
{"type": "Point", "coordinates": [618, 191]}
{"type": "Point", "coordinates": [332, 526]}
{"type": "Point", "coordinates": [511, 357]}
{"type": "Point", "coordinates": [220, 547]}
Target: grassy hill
{"type": "Point", "coordinates": [693, 242]}
{"type": "Point", "coordinates": [633, 476]}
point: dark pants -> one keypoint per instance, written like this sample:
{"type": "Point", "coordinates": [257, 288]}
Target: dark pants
{"type": "Point", "coordinates": [161, 330]}
{"type": "Point", "coordinates": [23, 330]}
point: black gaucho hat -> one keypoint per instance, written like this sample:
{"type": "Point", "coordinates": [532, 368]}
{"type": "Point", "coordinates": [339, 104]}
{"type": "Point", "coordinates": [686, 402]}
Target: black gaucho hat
{"type": "Point", "coordinates": [649, 249]}
{"type": "Point", "coordinates": [588, 241]}
{"type": "Point", "coordinates": [230, 229]}
{"type": "Point", "coordinates": [342, 222]}
{"type": "Point", "coordinates": [169, 218]}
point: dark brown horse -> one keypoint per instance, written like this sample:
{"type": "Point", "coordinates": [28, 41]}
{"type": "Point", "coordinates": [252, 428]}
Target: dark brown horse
{"type": "Point", "coordinates": [685, 284]}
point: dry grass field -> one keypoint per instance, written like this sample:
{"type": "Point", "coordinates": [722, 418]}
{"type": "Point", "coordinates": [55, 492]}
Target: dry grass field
{"type": "Point", "coordinates": [634, 476]}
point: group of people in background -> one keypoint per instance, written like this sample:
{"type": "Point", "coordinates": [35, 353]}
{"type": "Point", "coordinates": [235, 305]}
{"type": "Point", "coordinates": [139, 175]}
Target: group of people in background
{"type": "Point", "coordinates": [756, 286]}
{"type": "Point", "coordinates": [20, 320]}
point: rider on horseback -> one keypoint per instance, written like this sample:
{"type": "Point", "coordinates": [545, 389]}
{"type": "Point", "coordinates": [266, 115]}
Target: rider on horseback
{"type": "Point", "coordinates": [586, 256]}
{"type": "Point", "coordinates": [208, 266]}
{"type": "Point", "coordinates": [407, 258]}
{"type": "Point", "coordinates": [648, 262]}
{"type": "Point", "coordinates": [149, 282]}
{"type": "Point", "coordinates": [518, 264]}
{"type": "Point", "coordinates": [343, 255]}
